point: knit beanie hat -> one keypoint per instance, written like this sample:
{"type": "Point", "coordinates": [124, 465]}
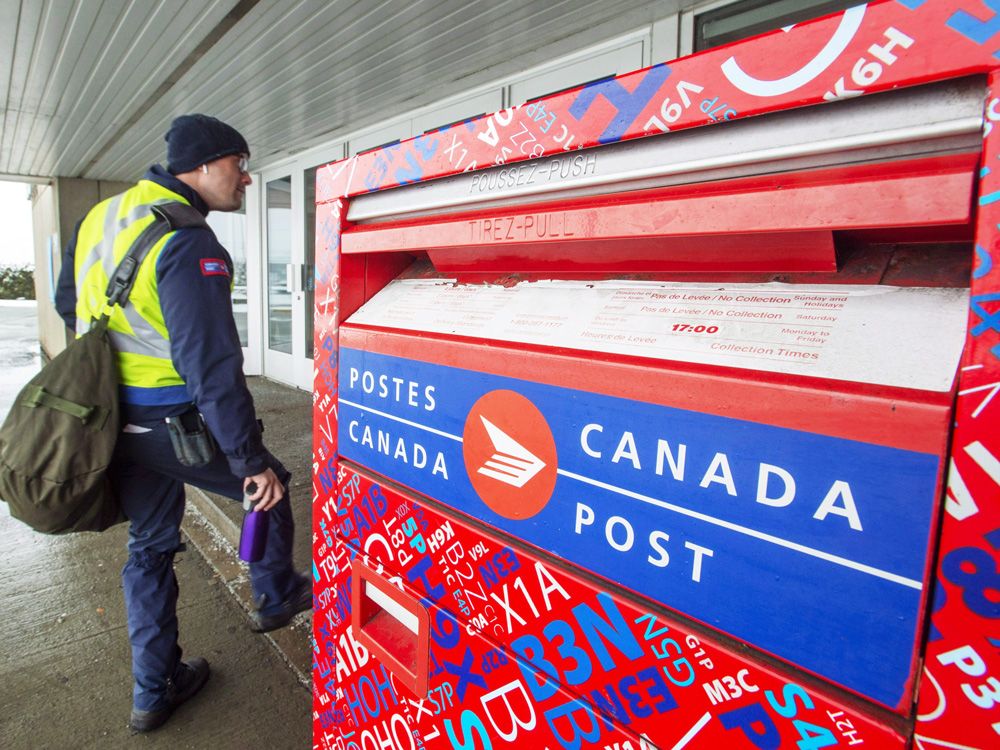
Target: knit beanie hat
{"type": "Point", "coordinates": [194, 140]}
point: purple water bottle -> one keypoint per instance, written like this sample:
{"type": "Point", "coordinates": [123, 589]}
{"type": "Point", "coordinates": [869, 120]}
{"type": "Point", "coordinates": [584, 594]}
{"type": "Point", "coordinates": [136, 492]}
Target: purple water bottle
{"type": "Point", "coordinates": [253, 536]}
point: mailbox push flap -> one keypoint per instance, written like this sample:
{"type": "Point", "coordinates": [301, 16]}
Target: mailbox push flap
{"type": "Point", "coordinates": [393, 625]}
{"type": "Point", "coordinates": [375, 704]}
{"type": "Point", "coordinates": [777, 223]}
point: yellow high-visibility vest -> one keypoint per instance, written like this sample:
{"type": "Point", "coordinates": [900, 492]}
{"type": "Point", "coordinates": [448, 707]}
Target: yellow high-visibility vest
{"type": "Point", "coordinates": [138, 332]}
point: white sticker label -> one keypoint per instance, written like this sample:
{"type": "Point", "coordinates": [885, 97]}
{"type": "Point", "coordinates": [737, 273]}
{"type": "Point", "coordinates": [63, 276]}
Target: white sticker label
{"type": "Point", "coordinates": [910, 337]}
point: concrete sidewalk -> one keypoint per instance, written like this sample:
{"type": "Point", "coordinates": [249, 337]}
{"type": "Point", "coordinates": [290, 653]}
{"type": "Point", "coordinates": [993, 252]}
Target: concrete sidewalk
{"type": "Point", "coordinates": [65, 677]}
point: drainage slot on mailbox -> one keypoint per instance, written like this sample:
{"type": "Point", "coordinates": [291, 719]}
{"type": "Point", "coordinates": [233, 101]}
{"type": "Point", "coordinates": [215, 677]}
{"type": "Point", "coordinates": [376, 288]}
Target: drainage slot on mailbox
{"type": "Point", "coordinates": [393, 625]}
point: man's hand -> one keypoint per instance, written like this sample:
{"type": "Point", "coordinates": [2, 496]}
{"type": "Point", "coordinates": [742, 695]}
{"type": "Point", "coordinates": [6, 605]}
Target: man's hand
{"type": "Point", "coordinates": [269, 489]}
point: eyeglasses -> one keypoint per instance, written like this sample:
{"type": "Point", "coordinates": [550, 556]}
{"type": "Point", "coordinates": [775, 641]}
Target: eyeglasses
{"type": "Point", "coordinates": [244, 165]}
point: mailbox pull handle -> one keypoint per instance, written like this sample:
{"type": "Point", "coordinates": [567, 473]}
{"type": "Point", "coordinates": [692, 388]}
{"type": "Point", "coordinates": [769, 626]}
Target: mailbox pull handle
{"type": "Point", "coordinates": [393, 625]}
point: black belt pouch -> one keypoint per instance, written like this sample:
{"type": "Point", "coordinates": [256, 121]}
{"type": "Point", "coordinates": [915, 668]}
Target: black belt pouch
{"type": "Point", "coordinates": [193, 443]}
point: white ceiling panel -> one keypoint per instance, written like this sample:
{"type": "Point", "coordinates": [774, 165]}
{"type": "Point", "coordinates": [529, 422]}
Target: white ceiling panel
{"type": "Point", "coordinates": [88, 87]}
{"type": "Point", "coordinates": [76, 71]}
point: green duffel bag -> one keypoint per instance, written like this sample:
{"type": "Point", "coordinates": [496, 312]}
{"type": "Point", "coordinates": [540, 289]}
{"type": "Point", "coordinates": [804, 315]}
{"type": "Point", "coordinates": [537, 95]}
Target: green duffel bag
{"type": "Point", "coordinates": [58, 439]}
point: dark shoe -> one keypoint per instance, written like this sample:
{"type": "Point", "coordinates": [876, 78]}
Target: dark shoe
{"type": "Point", "coordinates": [190, 678]}
{"type": "Point", "coordinates": [298, 601]}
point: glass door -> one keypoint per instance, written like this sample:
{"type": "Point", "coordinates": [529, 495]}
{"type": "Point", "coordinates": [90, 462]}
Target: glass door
{"type": "Point", "coordinates": [230, 230]}
{"type": "Point", "coordinates": [279, 302]}
{"type": "Point", "coordinates": [288, 240]}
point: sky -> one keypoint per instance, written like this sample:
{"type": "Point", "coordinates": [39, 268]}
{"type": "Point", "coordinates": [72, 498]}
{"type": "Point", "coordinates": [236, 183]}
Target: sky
{"type": "Point", "coordinates": [15, 218]}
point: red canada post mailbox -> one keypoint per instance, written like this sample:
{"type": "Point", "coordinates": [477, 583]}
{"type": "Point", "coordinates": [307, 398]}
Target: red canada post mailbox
{"type": "Point", "coordinates": [660, 412]}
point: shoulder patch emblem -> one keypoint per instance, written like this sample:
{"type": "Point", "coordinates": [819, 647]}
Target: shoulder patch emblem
{"type": "Point", "coordinates": [214, 267]}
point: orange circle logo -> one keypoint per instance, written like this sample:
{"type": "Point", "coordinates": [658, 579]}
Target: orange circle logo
{"type": "Point", "coordinates": [510, 454]}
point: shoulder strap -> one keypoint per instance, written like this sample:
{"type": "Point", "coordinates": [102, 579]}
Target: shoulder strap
{"type": "Point", "coordinates": [169, 217]}
{"type": "Point", "coordinates": [179, 215]}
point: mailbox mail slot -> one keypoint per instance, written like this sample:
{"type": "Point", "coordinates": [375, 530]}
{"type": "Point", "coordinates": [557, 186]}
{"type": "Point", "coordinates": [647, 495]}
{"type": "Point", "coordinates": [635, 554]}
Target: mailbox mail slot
{"type": "Point", "coordinates": [393, 625]}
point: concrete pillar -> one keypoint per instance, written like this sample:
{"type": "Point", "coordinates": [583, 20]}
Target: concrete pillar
{"type": "Point", "coordinates": [56, 209]}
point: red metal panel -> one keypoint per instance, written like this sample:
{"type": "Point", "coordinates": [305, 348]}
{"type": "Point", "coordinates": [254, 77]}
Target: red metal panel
{"type": "Point", "coordinates": [960, 692]}
{"type": "Point", "coordinates": [353, 269]}
{"type": "Point", "coordinates": [867, 49]}
{"type": "Point", "coordinates": [327, 549]}
{"type": "Point", "coordinates": [374, 706]}
{"type": "Point", "coordinates": [582, 661]}
{"type": "Point", "coordinates": [788, 252]}
{"type": "Point", "coordinates": [362, 276]}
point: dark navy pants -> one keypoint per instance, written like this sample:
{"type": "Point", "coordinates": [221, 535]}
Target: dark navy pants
{"type": "Point", "coordinates": [150, 483]}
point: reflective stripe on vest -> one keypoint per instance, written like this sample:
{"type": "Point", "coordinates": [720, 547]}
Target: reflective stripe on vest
{"type": "Point", "coordinates": [138, 332]}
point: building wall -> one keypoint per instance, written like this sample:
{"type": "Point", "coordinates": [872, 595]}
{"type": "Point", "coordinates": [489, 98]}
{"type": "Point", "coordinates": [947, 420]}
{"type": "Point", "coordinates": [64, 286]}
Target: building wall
{"type": "Point", "coordinates": [51, 333]}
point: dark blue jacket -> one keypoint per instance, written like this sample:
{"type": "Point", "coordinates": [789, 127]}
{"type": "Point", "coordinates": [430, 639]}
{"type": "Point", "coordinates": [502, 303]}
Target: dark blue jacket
{"type": "Point", "coordinates": [204, 343]}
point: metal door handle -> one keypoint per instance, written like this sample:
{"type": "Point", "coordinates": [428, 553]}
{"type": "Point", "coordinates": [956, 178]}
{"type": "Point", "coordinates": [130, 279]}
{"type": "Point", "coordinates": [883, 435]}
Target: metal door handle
{"type": "Point", "coordinates": [293, 278]}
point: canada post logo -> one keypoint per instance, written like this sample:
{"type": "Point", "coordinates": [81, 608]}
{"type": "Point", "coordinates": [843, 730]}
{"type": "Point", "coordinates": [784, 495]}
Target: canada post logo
{"type": "Point", "coordinates": [510, 454]}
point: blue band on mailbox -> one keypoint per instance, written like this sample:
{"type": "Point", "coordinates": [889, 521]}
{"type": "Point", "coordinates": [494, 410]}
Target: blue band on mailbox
{"type": "Point", "coordinates": [803, 545]}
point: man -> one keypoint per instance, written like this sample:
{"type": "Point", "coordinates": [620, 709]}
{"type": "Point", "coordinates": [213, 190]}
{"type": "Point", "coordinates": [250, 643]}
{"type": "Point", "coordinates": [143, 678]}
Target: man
{"type": "Point", "coordinates": [179, 358]}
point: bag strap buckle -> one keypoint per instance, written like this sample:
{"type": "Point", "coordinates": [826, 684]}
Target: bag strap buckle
{"type": "Point", "coordinates": [121, 282]}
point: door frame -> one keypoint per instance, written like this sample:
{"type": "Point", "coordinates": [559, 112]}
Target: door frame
{"type": "Point", "coordinates": [294, 369]}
